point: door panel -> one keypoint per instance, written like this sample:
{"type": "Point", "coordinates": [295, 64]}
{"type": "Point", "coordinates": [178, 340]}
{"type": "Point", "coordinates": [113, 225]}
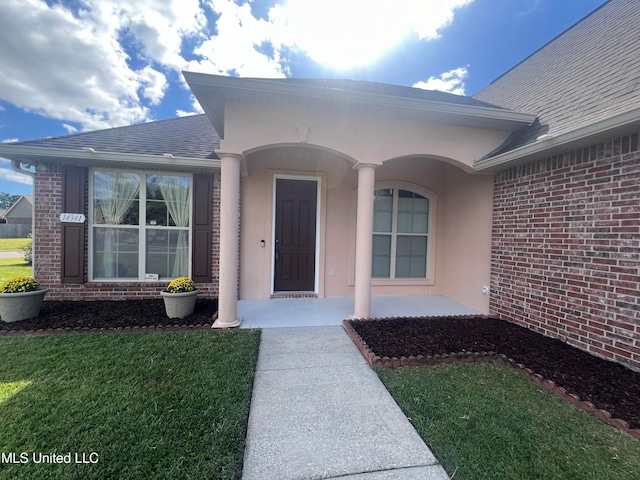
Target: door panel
{"type": "Point", "coordinates": [295, 235]}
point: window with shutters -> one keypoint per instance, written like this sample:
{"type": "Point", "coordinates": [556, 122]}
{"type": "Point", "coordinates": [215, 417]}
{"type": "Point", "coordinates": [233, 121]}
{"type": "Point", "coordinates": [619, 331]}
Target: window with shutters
{"type": "Point", "coordinates": [140, 224]}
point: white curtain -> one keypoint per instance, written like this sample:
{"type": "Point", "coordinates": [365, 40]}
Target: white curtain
{"type": "Point", "coordinates": [175, 191]}
{"type": "Point", "coordinates": [116, 193]}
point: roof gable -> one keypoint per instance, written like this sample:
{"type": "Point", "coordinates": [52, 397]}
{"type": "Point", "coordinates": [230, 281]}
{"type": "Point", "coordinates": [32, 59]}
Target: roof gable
{"type": "Point", "coordinates": [214, 92]}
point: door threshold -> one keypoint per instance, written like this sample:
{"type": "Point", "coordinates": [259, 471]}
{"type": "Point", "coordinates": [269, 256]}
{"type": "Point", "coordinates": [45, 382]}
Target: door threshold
{"type": "Point", "coordinates": [294, 295]}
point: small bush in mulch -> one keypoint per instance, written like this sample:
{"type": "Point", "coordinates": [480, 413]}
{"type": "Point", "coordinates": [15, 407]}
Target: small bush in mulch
{"type": "Point", "coordinates": [104, 314]}
{"type": "Point", "coordinates": [608, 385]}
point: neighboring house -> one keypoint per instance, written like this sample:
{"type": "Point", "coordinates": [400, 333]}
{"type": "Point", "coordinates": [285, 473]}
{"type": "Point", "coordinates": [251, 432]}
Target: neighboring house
{"type": "Point", "coordinates": [334, 188]}
{"type": "Point", "coordinates": [21, 212]}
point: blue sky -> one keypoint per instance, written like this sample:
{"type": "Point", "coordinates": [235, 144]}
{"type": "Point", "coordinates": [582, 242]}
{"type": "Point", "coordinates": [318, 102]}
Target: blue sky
{"type": "Point", "coordinates": [76, 65]}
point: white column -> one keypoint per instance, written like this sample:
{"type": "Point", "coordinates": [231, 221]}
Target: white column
{"type": "Point", "coordinates": [364, 240]}
{"type": "Point", "coordinates": [229, 241]}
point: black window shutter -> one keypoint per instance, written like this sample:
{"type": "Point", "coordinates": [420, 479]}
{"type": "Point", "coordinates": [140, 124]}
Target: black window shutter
{"type": "Point", "coordinates": [73, 234]}
{"type": "Point", "coordinates": [202, 227]}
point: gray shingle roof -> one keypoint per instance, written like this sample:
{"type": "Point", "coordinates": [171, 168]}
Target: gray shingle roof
{"type": "Point", "coordinates": [192, 137]}
{"type": "Point", "coordinates": [385, 89]}
{"type": "Point", "coordinates": [589, 73]}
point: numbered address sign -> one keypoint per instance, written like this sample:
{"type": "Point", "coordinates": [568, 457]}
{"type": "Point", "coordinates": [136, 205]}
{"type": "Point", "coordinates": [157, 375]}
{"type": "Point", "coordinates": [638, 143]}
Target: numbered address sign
{"type": "Point", "coordinates": [72, 217]}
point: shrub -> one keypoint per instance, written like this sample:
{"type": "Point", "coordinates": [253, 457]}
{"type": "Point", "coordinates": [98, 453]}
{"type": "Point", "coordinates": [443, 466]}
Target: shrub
{"type": "Point", "coordinates": [19, 284]}
{"type": "Point", "coordinates": [27, 250]}
{"type": "Point", "coordinates": [181, 285]}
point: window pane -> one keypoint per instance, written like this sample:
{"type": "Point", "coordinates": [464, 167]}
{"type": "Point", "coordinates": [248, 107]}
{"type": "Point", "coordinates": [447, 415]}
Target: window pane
{"type": "Point", "coordinates": [157, 213]}
{"type": "Point", "coordinates": [168, 200]}
{"type": "Point", "coordinates": [116, 198]}
{"type": "Point", "coordinates": [381, 267]}
{"type": "Point", "coordinates": [115, 252]}
{"type": "Point", "coordinates": [413, 213]}
{"type": "Point", "coordinates": [167, 253]}
{"type": "Point", "coordinates": [382, 210]}
{"type": "Point", "coordinates": [411, 257]}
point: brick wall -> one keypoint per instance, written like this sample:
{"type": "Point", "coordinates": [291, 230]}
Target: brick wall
{"type": "Point", "coordinates": [47, 258]}
{"type": "Point", "coordinates": [566, 248]}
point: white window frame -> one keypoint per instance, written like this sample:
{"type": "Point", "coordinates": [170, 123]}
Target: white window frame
{"type": "Point", "coordinates": [141, 227]}
{"type": "Point", "coordinates": [431, 246]}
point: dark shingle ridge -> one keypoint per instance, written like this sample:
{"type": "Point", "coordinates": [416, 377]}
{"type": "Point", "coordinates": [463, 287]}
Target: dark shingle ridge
{"type": "Point", "coordinates": [190, 136]}
{"type": "Point", "coordinates": [587, 74]}
{"type": "Point", "coordinates": [389, 90]}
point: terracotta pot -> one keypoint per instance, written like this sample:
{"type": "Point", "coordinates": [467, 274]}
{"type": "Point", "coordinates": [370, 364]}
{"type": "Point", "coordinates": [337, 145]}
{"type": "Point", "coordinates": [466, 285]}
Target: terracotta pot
{"type": "Point", "coordinates": [21, 305]}
{"type": "Point", "coordinates": [179, 305]}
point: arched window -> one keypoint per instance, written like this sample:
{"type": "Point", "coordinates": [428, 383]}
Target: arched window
{"type": "Point", "coordinates": [400, 234]}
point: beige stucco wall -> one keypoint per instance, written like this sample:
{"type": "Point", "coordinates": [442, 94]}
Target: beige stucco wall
{"type": "Point", "coordinates": [323, 145]}
{"type": "Point", "coordinates": [337, 180]}
{"type": "Point", "coordinates": [367, 139]}
{"type": "Point", "coordinates": [461, 233]}
{"type": "Point", "coordinates": [467, 211]}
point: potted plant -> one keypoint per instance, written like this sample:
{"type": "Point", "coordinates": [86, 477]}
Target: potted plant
{"type": "Point", "coordinates": [20, 298]}
{"type": "Point", "coordinates": [180, 297]}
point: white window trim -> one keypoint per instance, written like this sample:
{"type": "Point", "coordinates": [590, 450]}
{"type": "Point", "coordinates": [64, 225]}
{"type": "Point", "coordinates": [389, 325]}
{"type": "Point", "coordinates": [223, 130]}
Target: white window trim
{"type": "Point", "coordinates": [142, 227]}
{"type": "Point", "coordinates": [394, 234]}
{"type": "Point", "coordinates": [431, 242]}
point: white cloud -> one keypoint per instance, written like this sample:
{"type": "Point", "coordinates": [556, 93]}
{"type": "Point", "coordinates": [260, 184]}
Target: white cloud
{"type": "Point", "coordinates": [104, 63]}
{"type": "Point", "coordinates": [196, 109]}
{"type": "Point", "coordinates": [153, 84]}
{"type": "Point", "coordinates": [9, 175]}
{"type": "Point", "coordinates": [346, 33]}
{"type": "Point", "coordinates": [451, 82]}
{"type": "Point", "coordinates": [9, 140]}
{"type": "Point", "coordinates": [69, 128]}
{"type": "Point", "coordinates": [235, 48]}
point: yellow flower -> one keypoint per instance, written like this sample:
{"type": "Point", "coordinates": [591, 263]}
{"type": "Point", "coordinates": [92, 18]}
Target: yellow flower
{"type": "Point", "coordinates": [181, 284]}
{"type": "Point", "coordinates": [19, 284]}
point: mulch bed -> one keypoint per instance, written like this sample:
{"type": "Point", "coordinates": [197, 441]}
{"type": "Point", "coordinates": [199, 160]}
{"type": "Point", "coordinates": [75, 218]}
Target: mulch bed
{"type": "Point", "coordinates": [599, 384]}
{"type": "Point", "coordinates": [110, 315]}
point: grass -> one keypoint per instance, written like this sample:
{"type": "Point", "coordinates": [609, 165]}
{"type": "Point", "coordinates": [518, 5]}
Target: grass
{"type": "Point", "coordinates": [8, 244]}
{"type": "Point", "coordinates": [150, 405]}
{"type": "Point", "coordinates": [486, 421]}
{"type": "Point", "coordinates": [10, 267]}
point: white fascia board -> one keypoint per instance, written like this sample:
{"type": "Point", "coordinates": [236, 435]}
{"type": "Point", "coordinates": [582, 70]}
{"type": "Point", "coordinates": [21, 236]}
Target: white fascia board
{"type": "Point", "coordinates": [268, 86]}
{"type": "Point", "coordinates": [562, 142]}
{"type": "Point", "coordinates": [30, 154]}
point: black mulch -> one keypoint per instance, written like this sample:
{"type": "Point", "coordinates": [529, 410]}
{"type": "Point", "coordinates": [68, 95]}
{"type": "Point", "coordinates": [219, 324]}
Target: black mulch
{"type": "Point", "coordinates": [608, 385]}
{"type": "Point", "coordinates": [110, 314]}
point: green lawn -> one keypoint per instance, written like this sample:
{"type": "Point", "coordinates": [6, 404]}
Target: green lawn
{"type": "Point", "coordinates": [12, 243]}
{"type": "Point", "coordinates": [150, 405]}
{"type": "Point", "coordinates": [11, 267]}
{"type": "Point", "coordinates": [487, 421]}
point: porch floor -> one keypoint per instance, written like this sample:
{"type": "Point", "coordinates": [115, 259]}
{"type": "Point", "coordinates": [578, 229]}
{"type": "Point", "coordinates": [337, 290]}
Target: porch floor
{"type": "Point", "coordinates": [306, 312]}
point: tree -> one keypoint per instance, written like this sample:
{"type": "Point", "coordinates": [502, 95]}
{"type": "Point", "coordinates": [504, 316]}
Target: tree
{"type": "Point", "coordinates": [7, 199]}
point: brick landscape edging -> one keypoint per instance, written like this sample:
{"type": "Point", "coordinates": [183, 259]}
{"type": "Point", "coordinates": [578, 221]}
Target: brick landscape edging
{"type": "Point", "coordinates": [127, 329]}
{"type": "Point", "coordinates": [376, 362]}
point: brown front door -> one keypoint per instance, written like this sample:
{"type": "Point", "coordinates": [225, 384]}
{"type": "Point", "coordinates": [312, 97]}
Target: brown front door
{"type": "Point", "coordinates": [295, 235]}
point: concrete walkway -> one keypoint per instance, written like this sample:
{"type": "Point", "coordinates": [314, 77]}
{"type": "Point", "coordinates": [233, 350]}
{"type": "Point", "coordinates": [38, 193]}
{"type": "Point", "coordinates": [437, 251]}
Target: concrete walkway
{"type": "Point", "coordinates": [319, 412]}
{"type": "Point", "coordinates": [11, 254]}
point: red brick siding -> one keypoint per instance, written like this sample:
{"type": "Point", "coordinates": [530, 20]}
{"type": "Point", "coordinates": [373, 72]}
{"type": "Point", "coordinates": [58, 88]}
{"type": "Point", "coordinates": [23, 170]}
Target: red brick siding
{"type": "Point", "coordinates": [566, 248]}
{"type": "Point", "coordinates": [47, 260]}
